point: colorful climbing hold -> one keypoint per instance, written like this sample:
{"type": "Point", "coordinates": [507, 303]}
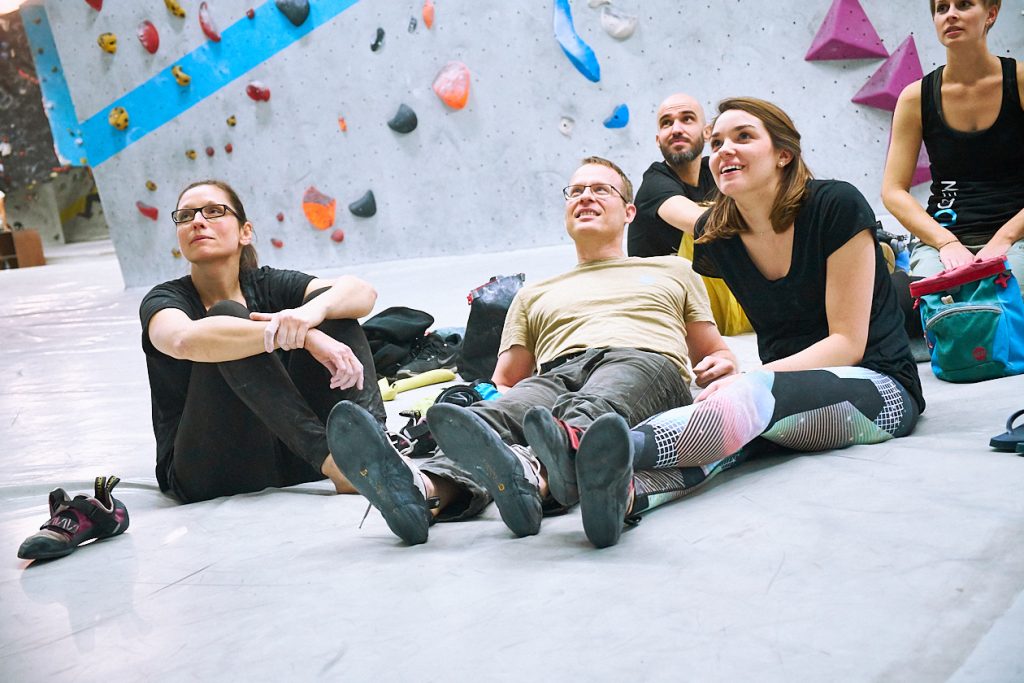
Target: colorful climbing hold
{"type": "Point", "coordinates": [618, 118]}
{"type": "Point", "coordinates": [180, 76]}
{"type": "Point", "coordinates": [902, 68]}
{"type": "Point", "coordinates": [565, 126]}
{"type": "Point", "coordinates": [578, 52]}
{"type": "Point", "coordinates": [250, 13]}
{"type": "Point", "coordinates": [412, 24]}
{"type": "Point", "coordinates": [107, 41]}
{"type": "Point", "coordinates": [229, 148]}
{"type": "Point", "coordinates": [404, 120]}
{"type": "Point", "coordinates": [295, 10]}
{"type": "Point", "coordinates": [151, 186]}
{"type": "Point", "coordinates": [319, 208]}
{"type": "Point", "coordinates": [148, 211]}
{"type": "Point", "coordinates": [95, 4]}
{"type": "Point", "coordinates": [207, 24]}
{"type": "Point", "coordinates": [190, 153]}
{"type": "Point", "coordinates": [846, 33]}
{"type": "Point", "coordinates": [276, 242]}
{"type": "Point", "coordinates": [210, 151]}
{"type": "Point", "coordinates": [338, 235]}
{"type": "Point", "coordinates": [428, 13]}
{"type": "Point", "coordinates": [365, 206]}
{"type": "Point", "coordinates": [376, 44]}
{"type": "Point", "coordinates": [617, 23]}
{"type": "Point", "coordinates": [258, 91]}
{"type": "Point", "coordinates": [452, 84]}
{"type": "Point", "coordinates": [149, 37]}
{"type": "Point", "coordinates": [175, 252]}
{"type": "Point", "coordinates": [175, 8]}
{"type": "Point", "coordinates": [231, 120]}
{"type": "Point", "coordinates": [342, 124]}
{"type": "Point", "coordinates": [118, 118]}
{"type": "Point", "coordinates": [280, 217]}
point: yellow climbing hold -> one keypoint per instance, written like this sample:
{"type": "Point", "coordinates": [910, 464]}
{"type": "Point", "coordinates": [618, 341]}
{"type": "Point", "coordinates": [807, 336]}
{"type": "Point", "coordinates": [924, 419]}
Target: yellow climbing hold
{"type": "Point", "coordinates": [180, 76]}
{"type": "Point", "coordinates": [107, 41]}
{"type": "Point", "coordinates": [118, 118]}
{"type": "Point", "coordinates": [175, 8]}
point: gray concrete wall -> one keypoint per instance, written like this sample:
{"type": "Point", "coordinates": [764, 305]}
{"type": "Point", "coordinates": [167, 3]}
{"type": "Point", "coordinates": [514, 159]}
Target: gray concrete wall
{"type": "Point", "coordinates": [483, 178]}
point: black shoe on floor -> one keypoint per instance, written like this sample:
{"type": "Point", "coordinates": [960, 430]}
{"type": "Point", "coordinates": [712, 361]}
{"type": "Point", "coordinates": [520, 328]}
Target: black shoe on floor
{"type": "Point", "coordinates": [604, 471]}
{"type": "Point", "coordinates": [364, 454]}
{"type": "Point", "coordinates": [505, 471]}
{"type": "Point", "coordinates": [550, 443]}
{"type": "Point", "coordinates": [432, 353]}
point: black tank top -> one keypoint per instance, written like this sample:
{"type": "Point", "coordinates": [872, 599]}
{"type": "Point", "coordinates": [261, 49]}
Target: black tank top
{"type": "Point", "coordinates": [977, 177]}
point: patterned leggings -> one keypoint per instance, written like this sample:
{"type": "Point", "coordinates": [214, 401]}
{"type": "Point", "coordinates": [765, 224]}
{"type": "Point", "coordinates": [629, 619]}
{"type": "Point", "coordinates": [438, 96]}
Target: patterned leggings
{"type": "Point", "coordinates": [810, 410]}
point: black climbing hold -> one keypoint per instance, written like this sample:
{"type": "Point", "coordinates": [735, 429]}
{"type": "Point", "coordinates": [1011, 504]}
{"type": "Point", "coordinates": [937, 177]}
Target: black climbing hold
{"type": "Point", "coordinates": [380, 40]}
{"type": "Point", "coordinates": [296, 10]}
{"type": "Point", "coordinates": [365, 206]}
{"type": "Point", "coordinates": [412, 24]}
{"type": "Point", "coordinates": [404, 120]}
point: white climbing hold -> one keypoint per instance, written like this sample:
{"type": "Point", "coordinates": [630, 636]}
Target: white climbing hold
{"type": "Point", "coordinates": [616, 23]}
{"type": "Point", "coordinates": [565, 126]}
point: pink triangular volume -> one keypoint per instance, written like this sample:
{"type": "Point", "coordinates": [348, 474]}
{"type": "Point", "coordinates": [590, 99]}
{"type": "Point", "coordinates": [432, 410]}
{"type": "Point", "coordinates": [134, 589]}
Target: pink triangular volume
{"type": "Point", "coordinates": [846, 33]}
{"type": "Point", "coordinates": [897, 72]}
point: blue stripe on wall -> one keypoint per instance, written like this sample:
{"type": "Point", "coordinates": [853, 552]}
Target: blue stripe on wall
{"type": "Point", "coordinates": [244, 45]}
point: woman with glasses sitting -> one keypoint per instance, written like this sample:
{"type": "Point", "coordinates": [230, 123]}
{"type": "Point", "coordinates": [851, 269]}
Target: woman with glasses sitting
{"type": "Point", "coordinates": [246, 362]}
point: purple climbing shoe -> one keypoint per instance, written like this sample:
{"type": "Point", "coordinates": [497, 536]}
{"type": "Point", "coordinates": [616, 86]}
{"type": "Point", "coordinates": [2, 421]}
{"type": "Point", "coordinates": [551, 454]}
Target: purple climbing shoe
{"type": "Point", "coordinates": [75, 521]}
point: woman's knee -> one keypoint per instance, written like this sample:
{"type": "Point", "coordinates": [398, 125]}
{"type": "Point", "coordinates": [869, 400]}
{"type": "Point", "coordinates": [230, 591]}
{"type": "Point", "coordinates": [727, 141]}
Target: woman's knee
{"type": "Point", "coordinates": [925, 261]}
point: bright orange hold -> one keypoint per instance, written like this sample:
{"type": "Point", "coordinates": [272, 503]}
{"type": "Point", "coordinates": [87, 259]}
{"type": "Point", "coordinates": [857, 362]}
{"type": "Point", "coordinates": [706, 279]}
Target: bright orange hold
{"type": "Point", "coordinates": [452, 84]}
{"type": "Point", "coordinates": [428, 13]}
{"type": "Point", "coordinates": [342, 124]}
{"type": "Point", "coordinates": [319, 208]}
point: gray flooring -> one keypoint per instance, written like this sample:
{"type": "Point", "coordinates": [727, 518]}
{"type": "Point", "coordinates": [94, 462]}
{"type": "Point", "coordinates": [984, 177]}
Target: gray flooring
{"type": "Point", "coordinates": [897, 562]}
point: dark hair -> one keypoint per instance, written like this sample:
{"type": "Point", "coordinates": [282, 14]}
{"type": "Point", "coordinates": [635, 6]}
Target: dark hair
{"type": "Point", "coordinates": [247, 261]}
{"type": "Point", "coordinates": [626, 185]}
{"type": "Point", "coordinates": [724, 218]}
{"type": "Point", "coordinates": [988, 5]}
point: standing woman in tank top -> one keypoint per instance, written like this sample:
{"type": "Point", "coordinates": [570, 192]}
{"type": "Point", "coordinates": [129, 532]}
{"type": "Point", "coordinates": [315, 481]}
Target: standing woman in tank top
{"type": "Point", "coordinates": [969, 115]}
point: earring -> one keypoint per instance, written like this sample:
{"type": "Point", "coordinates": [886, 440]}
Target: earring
{"type": "Point", "coordinates": [781, 164]}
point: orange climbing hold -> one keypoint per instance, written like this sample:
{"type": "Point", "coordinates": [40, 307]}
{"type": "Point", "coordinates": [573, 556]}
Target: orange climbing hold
{"type": "Point", "coordinates": [342, 125]}
{"type": "Point", "coordinates": [319, 208]}
{"type": "Point", "coordinates": [428, 13]}
{"type": "Point", "coordinates": [452, 84]}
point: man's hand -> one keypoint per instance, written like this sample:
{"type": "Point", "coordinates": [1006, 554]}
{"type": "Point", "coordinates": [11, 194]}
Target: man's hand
{"type": "Point", "coordinates": [346, 370]}
{"type": "Point", "coordinates": [713, 368]}
{"type": "Point", "coordinates": [288, 328]}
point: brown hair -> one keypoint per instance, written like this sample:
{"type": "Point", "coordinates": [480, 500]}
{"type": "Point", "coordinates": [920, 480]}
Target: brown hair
{"type": "Point", "coordinates": [626, 185]}
{"type": "Point", "coordinates": [989, 4]}
{"type": "Point", "coordinates": [724, 218]}
{"type": "Point", "coordinates": [247, 261]}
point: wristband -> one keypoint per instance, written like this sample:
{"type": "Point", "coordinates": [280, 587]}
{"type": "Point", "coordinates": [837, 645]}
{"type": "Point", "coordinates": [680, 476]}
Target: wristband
{"type": "Point", "coordinates": [947, 243]}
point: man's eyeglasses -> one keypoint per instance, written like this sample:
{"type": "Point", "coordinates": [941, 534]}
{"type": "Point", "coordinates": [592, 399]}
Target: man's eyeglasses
{"type": "Point", "coordinates": [599, 190]}
{"type": "Point", "coordinates": [208, 211]}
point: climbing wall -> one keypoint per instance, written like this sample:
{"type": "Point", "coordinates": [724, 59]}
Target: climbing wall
{"type": "Point", "coordinates": [373, 130]}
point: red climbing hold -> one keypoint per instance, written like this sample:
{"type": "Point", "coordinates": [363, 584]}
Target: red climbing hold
{"type": "Point", "coordinates": [209, 151]}
{"type": "Point", "coordinates": [452, 84]}
{"type": "Point", "coordinates": [319, 208]}
{"type": "Point", "coordinates": [280, 217]}
{"type": "Point", "coordinates": [258, 91]}
{"type": "Point", "coordinates": [206, 22]}
{"type": "Point", "coordinates": [276, 242]}
{"type": "Point", "coordinates": [149, 37]}
{"type": "Point", "coordinates": [338, 235]}
{"type": "Point", "coordinates": [228, 148]}
{"type": "Point", "coordinates": [146, 210]}
{"type": "Point", "coordinates": [428, 13]}
{"type": "Point", "coordinates": [95, 4]}
{"type": "Point", "coordinates": [251, 13]}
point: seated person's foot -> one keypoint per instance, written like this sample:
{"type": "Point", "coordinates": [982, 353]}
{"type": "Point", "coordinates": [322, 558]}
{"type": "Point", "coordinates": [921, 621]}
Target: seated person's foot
{"type": "Point", "coordinates": [604, 471]}
{"type": "Point", "coordinates": [549, 441]}
{"type": "Point", "coordinates": [364, 454]}
{"type": "Point", "coordinates": [509, 473]}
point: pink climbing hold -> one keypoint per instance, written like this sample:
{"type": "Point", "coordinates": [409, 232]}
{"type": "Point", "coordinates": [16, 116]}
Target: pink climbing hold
{"type": "Point", "coordinates": [452, 84]}
{"type": "Point", "coordinates": [206, 22]}
{"type": "Point", "coordinates": [258, 91]}
{"type": "Point", "coordinates": [149, 37]}
{"type": "Point", "coordinates": [338, 235]}
{"type": "Point", "coordinates": [146, 210]}
{"type": "Point", "coordinates": [276, 242]}
{"type": "Point", "coordinates": [901, 69]}
{"type": "Point", "coordinates": [846, 33]}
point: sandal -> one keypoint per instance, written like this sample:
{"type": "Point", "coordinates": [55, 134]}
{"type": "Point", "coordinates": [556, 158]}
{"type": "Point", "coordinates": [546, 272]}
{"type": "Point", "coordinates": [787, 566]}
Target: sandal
{"type": "Point", "coordinates": [1012, 438]}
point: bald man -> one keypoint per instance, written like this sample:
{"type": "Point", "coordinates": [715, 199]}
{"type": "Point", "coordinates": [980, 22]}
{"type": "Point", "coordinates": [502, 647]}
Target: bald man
{"type": "Point", "coordinates": [666, 204]}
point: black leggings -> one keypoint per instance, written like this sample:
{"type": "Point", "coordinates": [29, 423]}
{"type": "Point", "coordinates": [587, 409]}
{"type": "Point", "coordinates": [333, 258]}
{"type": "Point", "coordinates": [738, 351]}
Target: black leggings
{"type": "Point", "coordinates": [259, 421]}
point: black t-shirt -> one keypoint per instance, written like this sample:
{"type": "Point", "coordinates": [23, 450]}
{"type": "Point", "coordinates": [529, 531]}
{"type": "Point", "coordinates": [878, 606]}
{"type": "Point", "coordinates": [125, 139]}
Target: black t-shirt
{"type": "Point", "coordinates": [265, 289]}
{"type": "Point", "coordinates": [649, 234]}
{"type": "Point", "coordinates": [788, 314]}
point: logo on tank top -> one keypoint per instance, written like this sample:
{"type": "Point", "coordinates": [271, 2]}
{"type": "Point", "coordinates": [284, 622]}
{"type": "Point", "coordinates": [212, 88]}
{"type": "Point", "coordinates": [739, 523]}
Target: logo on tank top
{"type": "Point", "coordinates": [945, 215]}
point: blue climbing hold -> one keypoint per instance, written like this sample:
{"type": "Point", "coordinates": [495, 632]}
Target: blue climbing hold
{"type": "Point", "coordinates": [619, 117]}
{"type": "Point", "coordinates": [578, 52]}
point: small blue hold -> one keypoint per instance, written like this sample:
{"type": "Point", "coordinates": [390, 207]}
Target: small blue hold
{"type": "Point", "coordinates": [578, 52]}
{"type": "Point", "coordinates": [619, 117]}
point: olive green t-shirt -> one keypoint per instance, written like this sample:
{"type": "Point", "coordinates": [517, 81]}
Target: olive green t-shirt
{"type": "Point", "coordinates": [639, 303]}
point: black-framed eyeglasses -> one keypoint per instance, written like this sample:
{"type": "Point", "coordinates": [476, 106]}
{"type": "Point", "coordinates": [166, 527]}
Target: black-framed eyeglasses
{"type": "Point", "coordinates": [599, 190]}
{"type": "Point", "coordinates": [208, 211]}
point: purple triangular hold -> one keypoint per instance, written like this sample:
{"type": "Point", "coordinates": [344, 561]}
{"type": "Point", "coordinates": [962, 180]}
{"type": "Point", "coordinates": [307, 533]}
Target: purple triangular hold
{"type": "Point", "coordinates": [846, 33]}
{"type": "Point", "coordinates": [885, 85]}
